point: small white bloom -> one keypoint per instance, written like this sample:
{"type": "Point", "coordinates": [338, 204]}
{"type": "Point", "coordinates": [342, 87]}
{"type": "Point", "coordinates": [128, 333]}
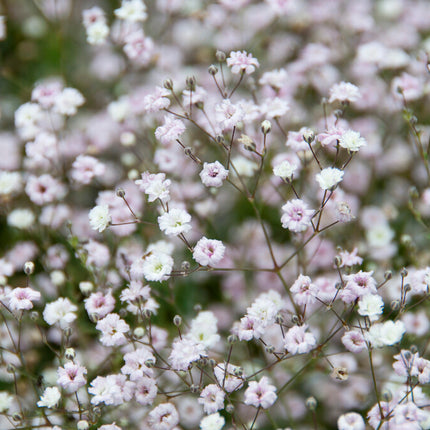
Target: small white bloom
{"type": "Point", "coordinates": [157, 267]}
{"type": "Point", "coordinates": [244, 167]}
{"type": "Point", "coordinates": [371, 305]}
{"type": "Point", "coordinates": [5, 401]}
{"type": "Point", "coordinates": [285, 170]}
{"type": "Point", "coordinates": [21, 218]}
{"type": "Point", "coordinates": [97, 33]}
{"type": "Point", "coordinates": [99, 217]}
{"type": "Point", "coordinates": [10, 183]}
{"type": "Point", "coordinates": [328, 178]}
{"type": "Point", "coordinates": [352, 141]}
{"type": "Point", "coordinates": [388, 333]}
{"type": "Point", "coordinates": [132, 10]}
{"type": "Point", "coordinates": [67, 102]}
{"type": "Point", "coordinates": [212, 422]}
{"type": "Point", "coordinates": [351, 421]}
{"type": "Point", "coordinates": [50, 398]}
{"type": "Point", "coordinates": [175, 222]}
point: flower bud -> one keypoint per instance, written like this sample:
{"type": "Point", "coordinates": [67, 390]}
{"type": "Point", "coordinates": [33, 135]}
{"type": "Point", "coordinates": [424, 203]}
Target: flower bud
{"type": "Point", "coordinates": [139, 332]}
{"type": "Point", "coordinates": [86, 287]}
{"type": "Point", "coordinates": [220, 56]}
{"type": "Point", "coordinates": [168, 84]}
{"type": "Point", "coordinates": [83, 425]}
{"type": "Point", "coordinates": [70, 354]}
{"type": "Point", "coordinates": [185, 266]}
{"type": "Point", "coordinates": [191, 83]}
{"type": "Point", "coordinates": [270, 349]}
{"type": "Point", "coordinates": [311, 403]}
{"type": "Point", "coordinates": [213, 70]}
{"type": "Point", "coordinates": [388, 275]}
{"type": "Point", "coordinates": [194, 388]}
{"type": "Point", "coordinates": [150, 362]}
{"type": "Point", "coordinates": [232, 339]}
{"type": "Point", "coordinates": [229, 408]}
{"type": "Point", "coordinates": [238, 371]}
{"type": "Point", "coordinates": [404, 272]}
{"type": "Point", "coordinates": [120, 192]}
{"type": "Point", "coordinates": [28, 268]}
{"type": "Point", "coordinates": [127, 138]}
{"type": "Point", "coordinates": [309, 136]}
{"type": "Point", "coordinates": [266, 126]}
{"type": "Point", "coordinates": [177, 320]}
{"type": "Point", "coordinates": [395, 305]}
{"type": "Point", "coordinates": [386, 395]}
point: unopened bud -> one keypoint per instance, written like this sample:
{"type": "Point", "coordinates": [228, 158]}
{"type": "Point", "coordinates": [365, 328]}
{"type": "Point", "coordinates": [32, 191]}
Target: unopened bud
{"type": "Point", "coordinates": [194, 388]}
{"type": "Point", "coordinates": [139, 332]}
{"type": "Point", "coordinates": [388, 275]}
{"type": "Point", "coordinates": [395, 305]}
{"type": "Point", "coordinates": [185, 266]}
{"type": "Point", "coordinates": [168, 84]}
{"type": "Point", "coordinates": [177, 320]}
{"type": "Point", "coordinates": [150, 362]}
{"type": "Point", "coordinates": [229, 408]}
{"type": "Point", "coordinates": [191, 83]}
{"type": "Point", "coordinates": [386, 395]}
{"type": "Point", "coordinates": [404, 273]}
{"type": "Point", "coordinates": [133, 174]}
{"type": "Point", "coordinates": [295, 319]}
{"type": "Point", "coordinates": [279, 319]}
{"type": "Point", "coordinates": [407, 288]}
{"type": "Point", "coordinates": [86, 287]}
{"type": "Point", "coordinates": [28, 268]}
{"type": "Point", "coordinates": [147, 313]}
{"type": "Point", "coordinates": [340, 373]}
{"type": "Point", "coordinates": [220, 56]}
{"type": "Point", "coordinates": [338, 113]}
{"type": "Point", "coordinates": [413, 120]}
{"type": "Point", "coordinates": [270, 349]}
{"type": "Point", "coordinates": [70, 354]}
{"type": "Point", "coordinates": [213, 70]}
{"type": "Point", "coordinates": [247, 142]}
{"type": "Point", "coordinates": [120, 192]}
{"type": "Point", "coordinates": [413, 192]}
{"type": "Point", "coordinates": [10, 368]}
{"type": "Point", "coordinates": [220, 138]}
{"type": "Point", "coordinates": [311, 403]}
{"type": "Point", "coordinates": [34, 315]}
{"type": "Point", "coordinates": [337, 261]}
{"type": "Point", "coordinates": [308, 136]}
{"type": "Point", "coordinates": [238, 371]}
{"type": "Point", "coordinates": [232, 339]}
{"type": "Point", "coordinates": [17, 417]}
{"type": "Point", "coordinates": [266, 126]}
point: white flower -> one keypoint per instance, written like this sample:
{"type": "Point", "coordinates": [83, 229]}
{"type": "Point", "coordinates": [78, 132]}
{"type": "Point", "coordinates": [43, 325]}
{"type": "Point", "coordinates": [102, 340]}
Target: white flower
{"type": "Point", "coordinates": [175, 222]}
{"type": "Point", "coordinates": [328, 178]}
{"type": "Point", "coordinates": [51, 396]}
{"type": "Point", "coordinates": [97, 33]}
{"type": "Point", "coordinates": [21, 218]}
{"type": "Point", "coordinates": [285, 170]}
{"type": "Point", "coordinates": [61, 311]}
{"type": "Point", "coordinates": [352, 141]}
{"type": "Point", "coordinates": [99, 217]}
{"type": "Point", "coordinates": [371, 305]}
{"type": "Point", "coordinates": [244, 167]}
{"type": "Point", "coordinates": [10, 183]}
{"type": "Point", "coordinates": [204, 329]}
{"type": "Point", "coordinates": [344, 92]}
{"type": "Point", "coordinates": [5, 401]}
{"type": "Point", "coordinates": [351, 421]}
{"type": "Point", "coordinates": [157, 266]}
{"type": "Point", "coordinates": [212, 422]}
{"type": "Point", "coordinates": [132, 10]}
{"type": "Point", "coordinates": [67, 102]}
{"type": "Point", "coordinates": [388, 333]}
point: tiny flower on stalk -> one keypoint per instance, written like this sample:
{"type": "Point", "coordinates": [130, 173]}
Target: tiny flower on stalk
{"type": "Point", "coordinates": [242, 62]}
{"type": "Point", "coordinates": [260, 394]}
{"type": "Point", "coordinates": [99, 217]}
{"type": "Point", "coordinates": [329, 177]}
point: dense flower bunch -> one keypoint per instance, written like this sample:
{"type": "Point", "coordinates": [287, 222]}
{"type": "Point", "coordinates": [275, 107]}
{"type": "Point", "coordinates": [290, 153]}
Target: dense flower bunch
{"type": "Point", "coordinates": [215, 215]}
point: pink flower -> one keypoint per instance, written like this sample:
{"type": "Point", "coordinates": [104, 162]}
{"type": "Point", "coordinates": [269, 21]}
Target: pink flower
{"type": "Point", "coordinates": [296, 216]}
{"type": "Point", "coordinates": [213, 174]}
{"type": "Point", "coordinates": [97, 254]}
{"type": "Point", "coordinates": [85, 168]}
{"type": "Point", "coordinates": [145, 391]}
{"type": "Point", "coordinates": [163, 417]}
{"type": "Point", "coordinates": [184, 352]}
{"type": "Point", "coordinates": [99, 304]}
{"type": "Point", "coordinates": [139, 48]}
{"type": "Point", "coordinates": [260, 394]}
{"type": "Point", "coordinates": [227, 379]}
{"type": "Point", "coordinates": [156, 186]}
{"type": "Point", "coordinates": [170, 131]}
{"type": "Point", "coordinates": [351, 421]}
{"type": "Point", "coordinates": [228, 114]}
{"type": "Point", "coordinates": [71, 376]}
{"type": "Point", "coordinates": [22, 298]}
{"type": "Point", "coordinates": [113, 330]}
{"type": "Point", "coordinates": [304, 291]}
{"type": "Point", "coordinates": [44, 189]}
{"type": "Point", "coordinates": [208, 252]}
{"type": "Point", "coordinates": [111, 390]}
{"type": "Point", "coordinates": [344, 92]}
{"type": "Point", "coordinates": [136, 363]}
{"type": "Point", "coordinates": [354, 341]}
{"type": "Point", "coordinates": [157, 101]}
{"type": "Point", "coordinates": [357, 285]}
{"type": "Point", "coordinates": [298, 341]}
{"type": "Point", "coordinates": [242, 62]}
{"type": "Point", "coordinates": [212, 398]}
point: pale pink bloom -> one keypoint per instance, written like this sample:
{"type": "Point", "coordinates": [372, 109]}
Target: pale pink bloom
{"type": "Point", "coordinates": [197, 96]}
{"type": "Point", "coordinates": [139, 48]}
{"type": "Point", "coordinates": [45, 93]}
{"type": "Point", "coordinates": [344, 92]}
{"type": "Point", "coordinates": [242, 62]}
{"type": "Point", "coordinates": [6, 267]}
{"type": "Point", "coordinates": [351, 421]}
{"type": "Point", "coordinates": [295, 140]}
{"type": "Point", "coordinates": [417, 324]}
{"type": "Point", "coordinates": [274, 78]}
{"type": "Point", "coordinates": [331, 137]}
{"type": "Point", "coordinates": [298, 341]}
{"type": "Point", "coordinates": [112, 426]}
{"type": "Point", "coordinates": [227, 114]}
{"type": "Point", "coordinates": [326, 288]}
{"type": "Point", "coordinates": [354, 341]}
{"type": "Point", "coordinates": [54, 216]}
{"type": "Point", "coordinates": [61, 311]}
{"type": "Point", "coordinates": [407, 416]}
{"type": "Point", "coordinates": [99, 304]}
{"type": "Point", "coordinates": [350, 258]}
{"type": "Point", "coordinates": [260, 394]}
{"type": "Point", "coordinates": [44, 189]}
{"type": "Point", "coordinates": [50, 398]}
{"type": "Point", "coordinates": [85, 168]}
{"type": "Point", "coordinates": [374, 415]}
{"type": "Point", "coordinates": [111, 390]}
{"type": "Point", "coordinates": [156, 186]}
{"type": "Point", "coordinates": [304, 291]}
{"type": "Point", "coordinates": [358, 285]}
{"type": "Point", "coordinates": [136, 363]}
{"type": "Point", "coordinates": [145, 391]}
{"type": "Point", "coordinates": [174, 222]}
{"type": "Point", "coordinates": [249, 328]}
{"type": "Point", "coordinates": [208, 252]}
{"type": "Point", "coordinates": [28, 118]}
{"type": "Point", "coordinates": [157, 101]}
{"type": "Point", "coordinates": [163, 417]}
{"type": "Point", "coordinates": [71, 377]}
{"type": "Point", "coordinates": [22, 298]}
{"type": "Point", "coordinates": [296, 216]}
{"type": "Point", "coordinates": [67, 102]}
{"type": "Point", "coordinates": [132, 10]}
{"type": "Point", "coordinates": [213, 174]}
{"type": "Point", "coordinates": [136, 291]}
{"type": "Point", "coordinates": [170, 131]}
{"type": "Point", "coordinates": [419, 280]}
{"type": "Point", "coordinates": [184, 352]}
{"type": "Point", "coordinates": [92, 16]}
{"type": "Point", "coordinates": [212, 398]}
{"type": "Point", "coordinates": [227, 379]}
{"type": "Point", "coordinates": [98, 254]}
{"type": "Point", "coordinates": [407, 86]}
{"type": "Point", "coordinates": [43, 150]}
{"type": "Point", "coordinates": [113, 330]}
{"type": "Point", "coordinates": [275, 107]}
